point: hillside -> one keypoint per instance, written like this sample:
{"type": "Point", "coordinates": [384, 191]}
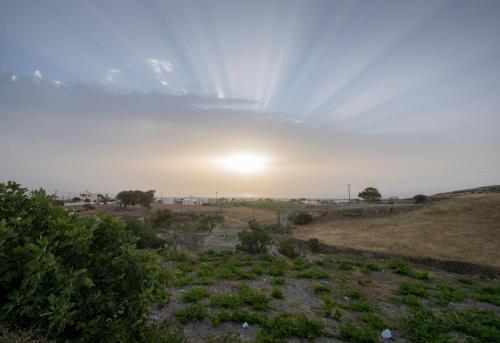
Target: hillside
{"type": "Point", "coordinates": [463, 228]}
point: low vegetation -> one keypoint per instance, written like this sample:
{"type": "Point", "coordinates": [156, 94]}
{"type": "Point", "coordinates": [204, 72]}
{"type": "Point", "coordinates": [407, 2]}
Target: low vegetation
{"type": "Point", "coordinates": [66, 278]}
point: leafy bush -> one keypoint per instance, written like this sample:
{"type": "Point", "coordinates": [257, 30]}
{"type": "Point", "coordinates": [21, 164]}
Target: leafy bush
{"type": "Point", "coordinates": [224, 300]}
{"type": "Point", "coordinates": [255, 240]}
{"type": "Point", "coordinates": [320, 289]}
{"type": "Point", "coordinates": [209, 221]}
{"type": "Point", "coordinates": [148, 237]}
{"type": "Point", "coordinates": [285, 326]}
{"type": "Point", "coordinates": [402, 267]}
{"type": "Point", "coordinates": [277, 293]}
{"type": "Point", "coordinates": [314, 245]}
{"type": "Point", "coordinates": [490, 294]}
{"type": "Point", "coordinates": [278, 281]}
{"type": "Point", "coordinates": [420, 198]}
{"type": "Point", "coordinates": [194, 295]}
{"type": "Point", "coordinates": [357, 334]}
{"type": "Point", "coordinates": [257, 300]}
{"type": "Point", "coordinates": [446, 294]}
{"type": "Point", "coordinates": [87, 206]}
{"type": "Point", "coordinates": [288, 248]}
{"type": "Point", "coordinates": [162, 218]}
{"type": "Point", "coordinates": [423, 326]}
{"type": "Point", "coordinates": [408, 288]}
{"type": "Point", "coordinates": [192, 312]}
{"type": "Point", "coordinates": [76, 279]}
{"type": "Point", "coordinates": [136, 197]}
{"type": "Point", "coordinates": [313, 274]}
{"type": "Point", "coordinates": [302, 218]}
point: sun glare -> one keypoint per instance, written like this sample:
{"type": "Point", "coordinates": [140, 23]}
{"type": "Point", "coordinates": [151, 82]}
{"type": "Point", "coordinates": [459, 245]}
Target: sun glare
{"type": "Point", "coordinates": [243, 163]}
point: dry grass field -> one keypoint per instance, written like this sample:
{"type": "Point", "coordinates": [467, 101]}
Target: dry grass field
{"type": "Point", "coordinates": [465, 228]}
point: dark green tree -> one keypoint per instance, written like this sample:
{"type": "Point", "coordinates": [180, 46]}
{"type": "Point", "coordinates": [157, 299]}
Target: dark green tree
{"type": "Point", "coordinates": [370, 194]}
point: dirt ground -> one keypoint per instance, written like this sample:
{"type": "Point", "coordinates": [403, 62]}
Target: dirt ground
{"type": "Point", "coordinates": [465, 228]}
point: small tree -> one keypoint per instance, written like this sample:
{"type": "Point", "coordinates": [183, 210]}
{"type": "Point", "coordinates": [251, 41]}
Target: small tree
{"type": "Point", "coordinates": [303, 218]}
{"type": "Point", "coordinates": [208, 222]}
{"type": "Point", "coordinates": [162, 218]}
{"type": "Point", "coordinates": [288, 248]}
{"type": "Point", "coordinates": [255, 240]}
{"type": "Point", "coordinates": [370, 194]}
{"type": "Point", "coordinates": [420, 198]}
{"type": "Point", "coordinates": [314, 245]}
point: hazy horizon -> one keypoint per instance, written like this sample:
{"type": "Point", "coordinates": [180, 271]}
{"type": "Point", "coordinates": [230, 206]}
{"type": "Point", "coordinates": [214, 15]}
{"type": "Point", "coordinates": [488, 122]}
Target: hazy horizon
{"type": "Point", "coordinates": [250, 98]}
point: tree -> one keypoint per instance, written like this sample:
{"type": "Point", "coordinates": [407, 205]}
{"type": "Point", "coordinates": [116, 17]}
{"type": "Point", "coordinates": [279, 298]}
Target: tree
{"type": "Point", "coordinates": [162, 218]}
{"type": "Point", "coordinates": [255, 240]}
{"type": "Point", "coordinates": [136, 197]}
{"type": "Point", "coordinates": [303, 218]}
{"type": "Point", "coordinates": [420, 198]}
{"type": "Point", "coordinates": [209, 221]}
{"type": "Point", "coordinates": [77, 279]}
{"type": "Point", "coordinates": [370, 194]}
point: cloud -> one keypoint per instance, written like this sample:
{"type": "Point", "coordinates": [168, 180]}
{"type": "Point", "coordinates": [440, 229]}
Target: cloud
{"type": "Point", "coordinates": [160, 67]}
{"type": "Point", "coordinates": [220, 93]}
{"type": "Point", "coordinates": [37, 75]}
{"type": "Point", "coordinates": [164, 83]}
{"type": "Point", "coordinates": [13, 78]}
{"type": "Point", "coordinates": [111, 74]}
{"type": "Point", "coordinates": [57, 83]}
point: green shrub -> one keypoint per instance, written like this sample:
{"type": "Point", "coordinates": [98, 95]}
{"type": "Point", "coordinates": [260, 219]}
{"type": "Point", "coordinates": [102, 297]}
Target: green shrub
{"type": "Point", "coordinates": [194, 295]}
{"type": "Point", "coordinates": [192, 312]}
{"type": "Point", "coordinates": [87, 206]}
{"type": "Point", "coordinates": [328, 305]}
{"type": "Point", "coordinates": [257, 300]}
{"type": "Point", "coordinates": [148, 237]}
{"type": "Point", "coordinates": [373, 320]}
{"type": "Point", "coordinates": [174, 255]}
{"type": "Point", "coordinates": [423, 326]}
{"type": "Point", "coordinates": [313, 274]}
{"type": "Point", "coordinates": [285, 326]}
{"type": "Point", "coordinates": [408, 288]}
{"type": "Point", "coordinates": [446, 294]}
{"type": "Point", "coordinates": [255, 240]}
{"type": "Point", "coordinates": [224, 300]}
{"type": "Point", "coordinates": [490, 294]}
{"type": "Point", "coordinates": [277, 293]}
{"type": "Point", "coordinates": [482, 325]}
{"type": "Point", "coordinates": [345, 265]}
{"type": "Point", "coordinates": [420, 198]}
{"type": "Point", "coordinates": [302, 218]}
{"type": "Point", "coordinates": [321, 289]}
{"type": "Point", "coordinates": [76, 279]}
{"type": "Point", "coordinates": [162, 218]}
{"type": "Point", "coordinates": [355, 294]}
{"type": "Point", "coordinates": [466, 280]}
{"type": "Point", "coordinates": [288, 248]}
{"type": "Point", "coordinates": [278, 281]}
{"type": "Point", "coordinates": [314, 245]}
{"type": "Point", "coordinates": [357, 334]}
{"type": "Point", "coordinates": [402, 267]}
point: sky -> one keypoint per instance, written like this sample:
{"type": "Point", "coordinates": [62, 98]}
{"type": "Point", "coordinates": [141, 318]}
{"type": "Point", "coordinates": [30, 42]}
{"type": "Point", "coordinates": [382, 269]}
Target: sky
{"type": "Point", "coordinates": [250, 98]}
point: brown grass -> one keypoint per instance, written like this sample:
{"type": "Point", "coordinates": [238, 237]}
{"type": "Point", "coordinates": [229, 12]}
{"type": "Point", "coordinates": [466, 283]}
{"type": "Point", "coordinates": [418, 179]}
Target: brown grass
{"type": "Point", "coordinates": [465, 228]}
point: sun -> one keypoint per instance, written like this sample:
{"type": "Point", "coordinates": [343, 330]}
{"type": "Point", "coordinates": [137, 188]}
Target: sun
{"type": "Point", "coordinates": [243, 163]}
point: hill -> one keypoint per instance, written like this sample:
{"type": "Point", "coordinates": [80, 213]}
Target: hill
{"type": "Point", "coordinates": [461, 228]}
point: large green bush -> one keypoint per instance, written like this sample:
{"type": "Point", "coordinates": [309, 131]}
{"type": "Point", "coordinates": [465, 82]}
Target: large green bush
{"type": "Point", "coordinates": [148, 237]}
{"type": "Point", "coordinates": [255, 240]}
{"type": "Point", "coordinates": [303, 218]}
{"type": "Point", "coordinates": [77, 279]}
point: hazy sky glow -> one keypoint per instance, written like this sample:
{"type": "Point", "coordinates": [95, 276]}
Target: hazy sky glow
{"type": "Point", "coordinates": [266, 98]}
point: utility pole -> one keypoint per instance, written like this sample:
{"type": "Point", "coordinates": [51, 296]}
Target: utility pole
{"type": "Point", "coordinates": [216, 193]}
{"type": "Point", "coordinates": [161, 197]}
{"type": "Point", "coordinates": [349, 191]}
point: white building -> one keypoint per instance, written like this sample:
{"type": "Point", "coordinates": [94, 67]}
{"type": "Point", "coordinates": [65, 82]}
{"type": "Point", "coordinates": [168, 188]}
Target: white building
{"type": "Point", "coordinates": [191, 201]}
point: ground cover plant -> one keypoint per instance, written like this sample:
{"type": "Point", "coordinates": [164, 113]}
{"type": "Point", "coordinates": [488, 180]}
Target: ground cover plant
{"type": "Point", "coordinates": [183, 295]}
